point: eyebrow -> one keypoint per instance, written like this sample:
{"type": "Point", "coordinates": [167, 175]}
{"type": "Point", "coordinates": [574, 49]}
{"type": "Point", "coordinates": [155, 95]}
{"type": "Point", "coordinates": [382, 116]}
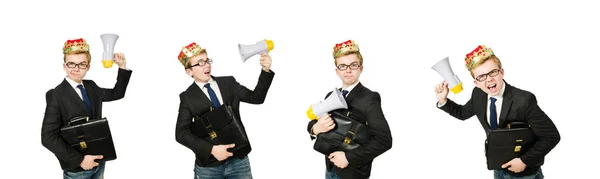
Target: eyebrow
{"type": "Point", "coordinates": [350, 63]}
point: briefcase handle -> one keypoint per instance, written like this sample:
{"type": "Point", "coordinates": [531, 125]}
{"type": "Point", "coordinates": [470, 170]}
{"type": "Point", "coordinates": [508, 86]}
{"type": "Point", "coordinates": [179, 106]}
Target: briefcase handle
{"type": "Point", "coordinates": [517, 124]}
{"type": "Point", "coordinates": [78, 119]}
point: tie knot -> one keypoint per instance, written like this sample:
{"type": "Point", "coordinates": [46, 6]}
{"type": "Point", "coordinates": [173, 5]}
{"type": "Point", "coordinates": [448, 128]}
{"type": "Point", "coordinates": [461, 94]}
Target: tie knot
{"type": "Point", "coordinates": [80, 86]}
{"type": "Point", "coordinates": [207, 85]}
{"type": "Point", "coordinates": [344, 92]}
{"type": "Point", "coordinates": [493, 99]}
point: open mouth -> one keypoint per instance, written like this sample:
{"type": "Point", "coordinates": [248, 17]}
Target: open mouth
{"type": "Point", "coordinates": [207, 72]}
{"type": "Point", "coordinates": [492, 87]}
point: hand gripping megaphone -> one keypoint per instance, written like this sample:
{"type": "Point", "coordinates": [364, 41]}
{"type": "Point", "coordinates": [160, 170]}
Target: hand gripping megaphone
{"type": "Point", "coordinates": [108, 42]}
{"type": "Point", "coordinates": [444, 69]}
{"type": "Point", "coordinates": [335, 101]}
{"type": "Point", "coordinates": [247, 51]}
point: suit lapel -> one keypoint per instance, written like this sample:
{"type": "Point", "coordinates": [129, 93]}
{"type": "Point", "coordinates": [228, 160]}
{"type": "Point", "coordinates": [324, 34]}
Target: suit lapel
{"type": "Point", "coordinates": [197, 93]}
{"type": "Point", "coordinates": [506, 103]}
{"type": "Point", "coordinates": [480, 104]}
{"type": "Point", "coordinates": [357, 89]}
{"type": "Point", "coordinates": [93, 95]}
{"type": "Point", "coordinates": [71, 94]}
{"type": "Point", "coordinates": [225, 94]}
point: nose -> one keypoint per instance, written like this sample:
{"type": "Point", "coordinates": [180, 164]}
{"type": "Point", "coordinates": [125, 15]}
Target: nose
{"type": "Point", "coordinates": [489, 79]}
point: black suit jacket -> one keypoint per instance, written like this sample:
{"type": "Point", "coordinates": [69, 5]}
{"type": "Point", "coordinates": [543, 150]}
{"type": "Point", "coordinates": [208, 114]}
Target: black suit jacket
{"type": "Point", "coordinates": [518, 105]}
{"type": "Point", "coordinates": [368, 103]}
{"type": "Point", "coordinates": [194, 102]}
{"type": "Point", "coordinates": [63, 104]}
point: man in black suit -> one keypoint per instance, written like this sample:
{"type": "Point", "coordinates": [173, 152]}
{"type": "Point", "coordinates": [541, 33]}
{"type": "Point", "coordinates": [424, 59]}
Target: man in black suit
{"type": "Point", "coordinates": [209, 91]}
{"type": "Point", "coordinates": [78, 97]}
{"type": "Point", "coordinates": [355, 163]}
{"type": "Point", "coordinates": [513, 105]}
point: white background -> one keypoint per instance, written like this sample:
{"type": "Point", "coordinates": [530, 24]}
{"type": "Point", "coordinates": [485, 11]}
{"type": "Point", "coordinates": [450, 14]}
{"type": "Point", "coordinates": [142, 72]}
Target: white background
{"type": "Point", "coordinates": [548, 48]}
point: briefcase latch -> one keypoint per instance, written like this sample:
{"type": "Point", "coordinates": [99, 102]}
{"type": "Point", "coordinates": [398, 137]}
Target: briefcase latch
{"type": "Point", "coordinates": [82, 143]}
{"type": "Point", "coordinates": [348, 138]}
{"type": "Point", "coordinates": [518, 145]}
{"type": "Point", "coordinates": [212, 134]}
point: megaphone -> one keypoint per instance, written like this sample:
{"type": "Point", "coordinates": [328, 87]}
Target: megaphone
{"type": "Point", "coordinates": [108, 41]}
{"type": "Point", "coordinates": [335, 101]}
{"type": "Point", "coordinates": [247, 51]}
{"type": "Point", "coordinates": [444, 69]}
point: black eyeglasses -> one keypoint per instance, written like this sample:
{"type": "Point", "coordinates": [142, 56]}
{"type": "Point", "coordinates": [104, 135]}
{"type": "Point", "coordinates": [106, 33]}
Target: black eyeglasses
{"type": "Point", "coordinates": [343, 67]}
{"type": "Point", "coordinates": [202, 62]}
{"type": "Point", "coordinates": [492, 73]}
{"type": "Point", "coordinates": [83, 65]}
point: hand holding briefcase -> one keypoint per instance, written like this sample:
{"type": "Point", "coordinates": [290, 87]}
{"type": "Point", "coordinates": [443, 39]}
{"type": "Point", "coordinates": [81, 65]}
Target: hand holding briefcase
{"type": "Point", "coordinates": [220, 127]}
{"type": "Point", "coordinates": [503, 145]}
{"type": "Point", "coordinates": [90, 137]}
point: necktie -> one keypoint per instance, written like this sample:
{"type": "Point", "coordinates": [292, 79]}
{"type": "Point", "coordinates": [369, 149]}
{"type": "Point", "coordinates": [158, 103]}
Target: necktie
{"type": "Point", "coordinates": [493, 123]}
{"type": "Point", "coordinates": [213, 96]}
{"type": "Point", "coordinates": [86, 99]}
{"type": "Point", "coordinates": [344, 93]}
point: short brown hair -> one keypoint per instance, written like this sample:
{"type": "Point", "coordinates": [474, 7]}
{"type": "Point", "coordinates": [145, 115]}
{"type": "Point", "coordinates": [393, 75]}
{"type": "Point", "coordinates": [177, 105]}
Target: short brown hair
{"type": "Point", "coordinates": [87, 53]}
{"type": "Point", "coordinates": [358, 55]}
{"type": "Point", "coordinates": [491, 57]}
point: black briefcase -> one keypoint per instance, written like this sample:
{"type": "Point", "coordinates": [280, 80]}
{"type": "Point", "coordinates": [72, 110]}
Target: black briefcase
{"type": "Point", "coordinates": [90, 137]}
{"type": "Point", "coordinates": [350, 132]}
{"type": "Point", "coordinates": [220, 127]}
{"type": "Point", "coordinates": [503, 145]}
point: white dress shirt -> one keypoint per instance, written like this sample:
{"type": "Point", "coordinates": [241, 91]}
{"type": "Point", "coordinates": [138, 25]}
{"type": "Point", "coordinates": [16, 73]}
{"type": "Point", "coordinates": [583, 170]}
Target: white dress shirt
{"type": "Point", "coordinates": [350, 88]}
{"type": "Point", "coordinates": [214, 86]}
{"type": "Point", "coordinates": [74, 85]}
{"type": "Point", "coordinates": [498, 105]}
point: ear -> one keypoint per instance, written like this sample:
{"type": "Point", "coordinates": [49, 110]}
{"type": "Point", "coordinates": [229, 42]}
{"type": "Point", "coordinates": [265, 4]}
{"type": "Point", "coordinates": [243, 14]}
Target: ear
{"type": "Point", "coordinates": [502, 71]}
{"type": "Point", "coordinates": [188, 72]}
{"type": "Point", "coordinates": [65, 68]}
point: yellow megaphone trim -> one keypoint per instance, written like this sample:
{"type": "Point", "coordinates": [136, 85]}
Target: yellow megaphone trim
{"type": "Point", "coordinates": [457, 89]}
{"type": "Point", "coordinates": [270, 45]}
{"type": "Point", "coordinates": [107, 63]}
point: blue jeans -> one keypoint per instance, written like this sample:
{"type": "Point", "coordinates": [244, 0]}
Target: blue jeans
{"type": "Point", "coordinates": [94, 173]}
{"type": "Point", "coordinates": [503, 174]}
{"type": "Point", "coordinates": [232, 168]}
{"type": "Point", "coordinates": [331, 174]}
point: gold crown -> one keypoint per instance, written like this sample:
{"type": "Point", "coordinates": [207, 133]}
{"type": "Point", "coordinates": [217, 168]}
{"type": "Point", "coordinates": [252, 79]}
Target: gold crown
{"type": "Point", "coordinates": [188, 52]}
{"type": "Point", "coordinates": [481, 52]}
{"type": "Point", "coordinates": [76, 45]}
{"type": "Point", "coordinates": [344, 47]}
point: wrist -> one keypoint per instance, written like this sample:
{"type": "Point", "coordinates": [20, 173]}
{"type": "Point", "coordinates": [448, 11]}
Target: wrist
{"type": "Point", "coordinates": [312, 131]}
{"type": "Point", "coordinates": [443, 101]}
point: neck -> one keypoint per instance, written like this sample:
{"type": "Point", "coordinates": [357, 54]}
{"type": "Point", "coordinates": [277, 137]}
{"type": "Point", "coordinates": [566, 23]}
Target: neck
{"type": "Point", "coordinates": [76, 81]}
{"type": "Point", "coordinates": [346, 85]}
{"type": "Point", "coordinates": [201, 81]}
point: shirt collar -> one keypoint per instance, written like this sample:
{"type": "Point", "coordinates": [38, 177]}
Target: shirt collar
{"type": "Point", "coordinates": [73, 83]}
{"type": "Point", "coordinates": [201, 84]}
{"type": "Point", "coordinates": [351, 86]}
